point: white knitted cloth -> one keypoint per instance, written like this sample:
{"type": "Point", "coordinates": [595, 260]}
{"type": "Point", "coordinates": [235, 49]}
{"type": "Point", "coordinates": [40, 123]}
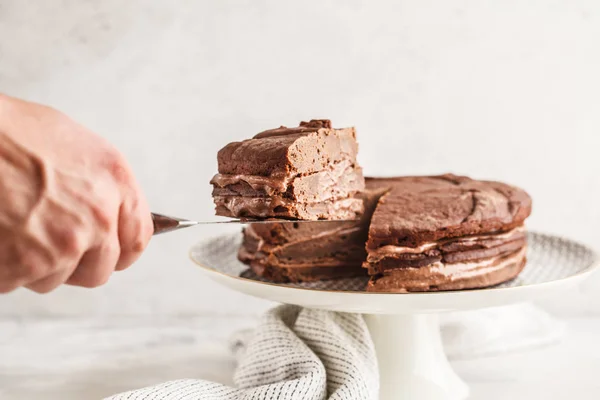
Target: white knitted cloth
{"type": "Point", "coordinates": [294, 354]}
{"type": "Point", "coordinates": [297, 353]}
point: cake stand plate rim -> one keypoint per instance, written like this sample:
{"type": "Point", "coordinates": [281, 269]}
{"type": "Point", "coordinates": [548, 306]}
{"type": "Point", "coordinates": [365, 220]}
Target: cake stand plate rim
{"type": "Point", "coordinates": [392, 303]}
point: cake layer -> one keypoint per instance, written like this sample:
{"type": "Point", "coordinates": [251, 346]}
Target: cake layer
{"type": "Point", "coordinates": [275, 234]}
{"type": "Point", "coordinates": [279, 207]}
{"type": "Point", "coordinates": [452, 276]}
{"type": "Point", "coordinates": [305, 252]}
{"type": "Point", "coordinates": [304, 273]}
{"type": "Point", "coordinates": [337, 247]}
{"type": "Point", "coordinates": [284, 152]}
{"type": "Point", "coordinates": [452, 250]}
{"type": "Point", "coordinates": [340, 180]}
{"type": "Point", "coordinates": [420, 210]}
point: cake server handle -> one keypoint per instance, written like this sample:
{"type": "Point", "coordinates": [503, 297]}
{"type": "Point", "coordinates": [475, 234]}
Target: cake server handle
{"type": "Point", "coordinates": [163, 224]}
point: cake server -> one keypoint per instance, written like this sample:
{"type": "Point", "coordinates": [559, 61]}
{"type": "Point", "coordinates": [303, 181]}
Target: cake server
{"type": "Point", "coordinates": [163, 223]}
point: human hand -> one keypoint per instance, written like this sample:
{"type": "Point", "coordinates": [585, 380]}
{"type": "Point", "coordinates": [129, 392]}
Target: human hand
{"type": "Point", "coordinates": [70, 208]}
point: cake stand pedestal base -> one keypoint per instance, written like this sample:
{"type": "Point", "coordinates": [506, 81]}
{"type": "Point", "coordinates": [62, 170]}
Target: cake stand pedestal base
{"type": "Point", "coordinates": [412, 362]}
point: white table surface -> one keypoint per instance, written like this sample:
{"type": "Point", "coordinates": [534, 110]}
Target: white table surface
{"type": "Point", "coordinates": [89, 359]}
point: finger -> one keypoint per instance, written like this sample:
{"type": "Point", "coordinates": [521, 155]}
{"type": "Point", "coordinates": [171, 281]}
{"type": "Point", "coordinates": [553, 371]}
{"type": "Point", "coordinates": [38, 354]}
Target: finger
{"type": "Point", "coordinates": [20, 266]}
{"type": "Point", "coordinates": [96, 265]}
{"type": "Point", "coordinates": [135, 228]}
{"type": "Point", "coordinates": [12, 272]}
{"type": "Point", "coordinates": [51, 282]}
{"type": "Point", "coordinates": [7, 287]}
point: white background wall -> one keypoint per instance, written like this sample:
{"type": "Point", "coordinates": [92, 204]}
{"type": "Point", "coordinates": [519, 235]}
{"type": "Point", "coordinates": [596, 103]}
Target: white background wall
{"type": "Point", "coordinates": [508, 90]}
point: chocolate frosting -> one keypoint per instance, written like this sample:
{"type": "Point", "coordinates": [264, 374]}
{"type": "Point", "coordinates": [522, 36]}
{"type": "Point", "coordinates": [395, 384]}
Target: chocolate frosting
{"type": "Point", "coordinates": [340, 180]}
{"type": "Point", "coordinates": [452, 250]}
{"type": "Point", "coordinates": [423, 209]}
{"type": "Point", "coordinates": [266, 184]}
{"type": "Point", "coordinates": [458, 276]}
{"type": "Point", "coordinates": [281, 207]}
{"type": "Point", "coordinates": [289, 151]}
{"type": "Point", "coordinates": [312, 126]}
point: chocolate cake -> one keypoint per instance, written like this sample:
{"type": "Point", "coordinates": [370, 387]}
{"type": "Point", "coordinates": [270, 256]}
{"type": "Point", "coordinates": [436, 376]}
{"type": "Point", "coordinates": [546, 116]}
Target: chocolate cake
{"type": "Point", "coordinates": [446, 233]}
{"type": "Point", "coordinates": [308, 172]}
{"type": "Point", "coordinates": [284, 252]}
{"type": "Point", "coordinates": [421, 234]}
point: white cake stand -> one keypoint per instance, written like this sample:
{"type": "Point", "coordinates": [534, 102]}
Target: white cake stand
{"type": "Point", "coordinates": [404, 327]}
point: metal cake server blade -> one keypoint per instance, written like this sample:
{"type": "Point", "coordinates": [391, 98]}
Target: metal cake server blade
{"type": "Point", "coordinates": [164, 224]}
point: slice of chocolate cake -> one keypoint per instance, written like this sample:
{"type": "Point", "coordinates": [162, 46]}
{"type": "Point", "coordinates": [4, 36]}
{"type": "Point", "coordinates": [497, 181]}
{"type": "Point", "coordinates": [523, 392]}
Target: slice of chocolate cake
{"type": "Point", "coordinates": [308, 172]}
{"type": "Point", "coordinates": [446, 233]}
{"type": "Point", "coordinates": [283, 252]}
